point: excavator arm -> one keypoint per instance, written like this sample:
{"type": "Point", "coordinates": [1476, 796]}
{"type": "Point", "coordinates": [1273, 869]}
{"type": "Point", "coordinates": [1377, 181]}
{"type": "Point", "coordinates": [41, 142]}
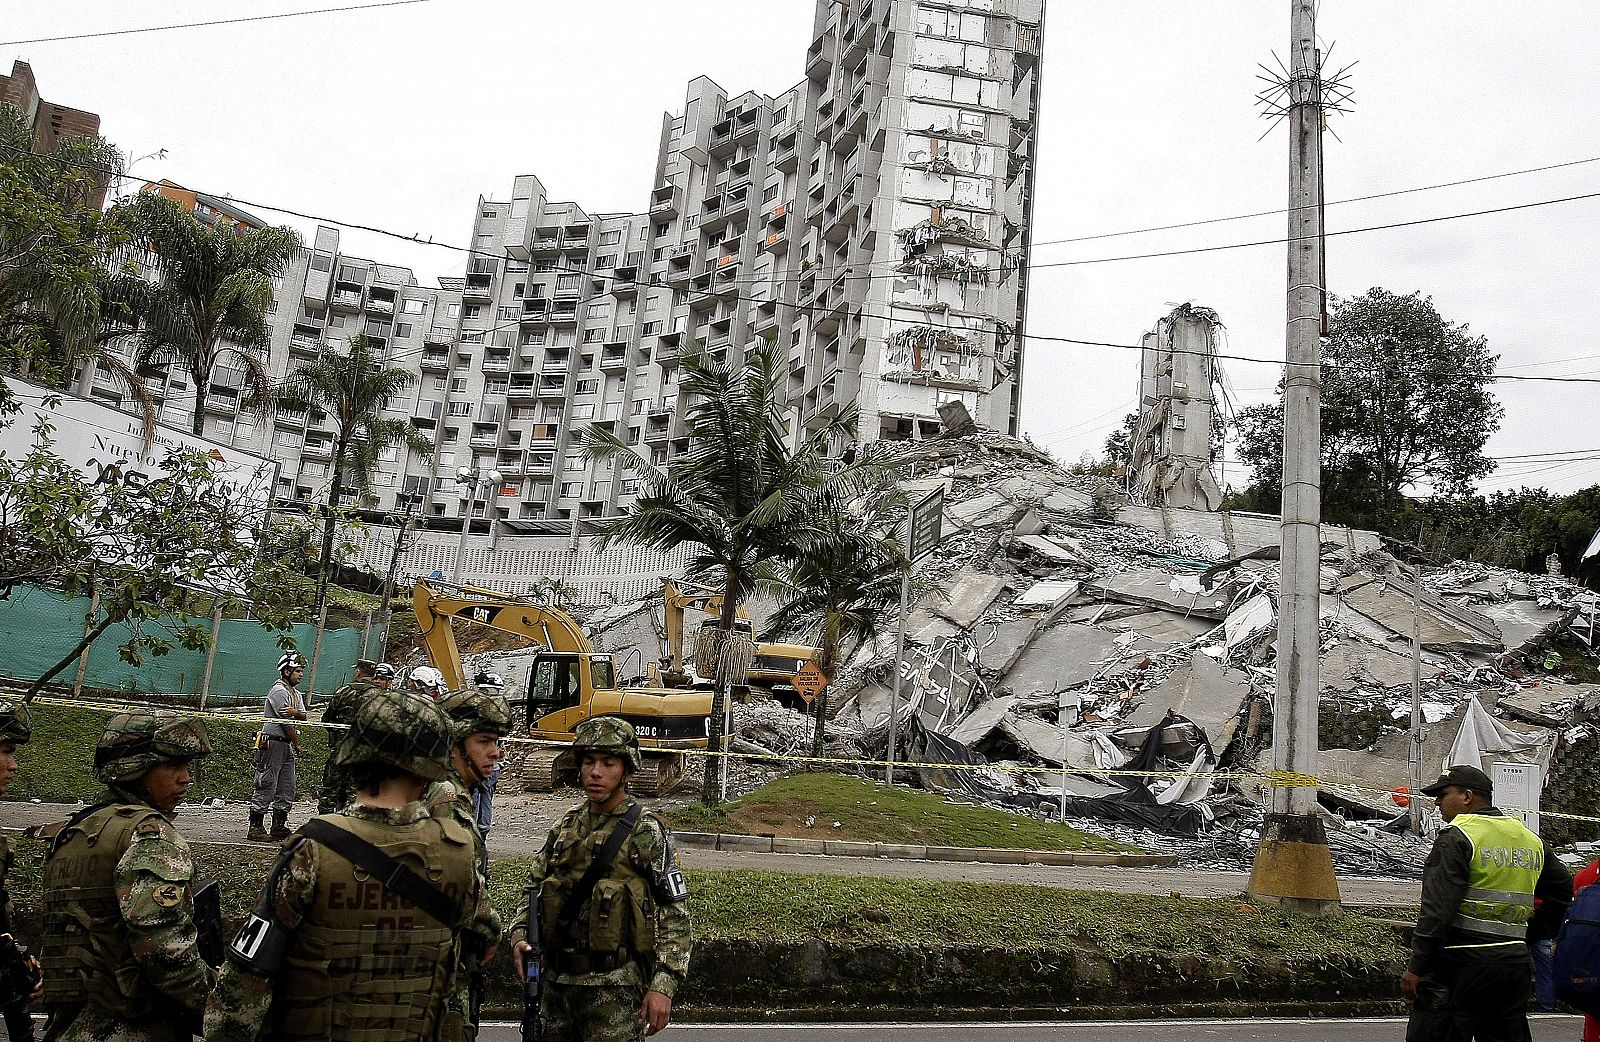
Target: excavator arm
{"type": "Point", "coordinates": [437, 605]}
{"type": "Point", "coordinates": [677, 597]}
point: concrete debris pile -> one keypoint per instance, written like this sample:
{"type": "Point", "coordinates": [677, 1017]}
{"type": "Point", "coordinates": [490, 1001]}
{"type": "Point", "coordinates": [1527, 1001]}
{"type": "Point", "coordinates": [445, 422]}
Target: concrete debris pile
{"type": "Point", "coordinates": [1059, 636]}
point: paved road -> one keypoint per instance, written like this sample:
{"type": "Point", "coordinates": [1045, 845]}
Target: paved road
{"type": "Point", "coordinates": [518, 832]}
{"type": "Point", "coordinates": [1545, 1029]}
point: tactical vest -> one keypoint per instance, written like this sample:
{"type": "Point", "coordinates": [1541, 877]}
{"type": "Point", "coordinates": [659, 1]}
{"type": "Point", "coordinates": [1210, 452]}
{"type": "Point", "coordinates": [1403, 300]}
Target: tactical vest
{"type": "Point", "coordinates": [618, 922]}
{"type": "Point", "coordinates": [365, 965]}
{"type": "Point", "coordinates": [86, 955]}
{"type": "Point", "coordinates": [1506, 861]}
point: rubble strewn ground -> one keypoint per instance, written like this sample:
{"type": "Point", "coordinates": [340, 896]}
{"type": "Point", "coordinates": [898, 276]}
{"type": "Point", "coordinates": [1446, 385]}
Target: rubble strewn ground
{"type": "Point", "coordinates": [1059, 634]}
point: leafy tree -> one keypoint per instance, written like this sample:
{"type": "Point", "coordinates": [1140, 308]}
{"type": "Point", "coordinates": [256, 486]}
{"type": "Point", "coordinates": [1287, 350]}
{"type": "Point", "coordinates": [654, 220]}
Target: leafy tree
{"type": "Point", "coordinates": [838, 589]}
{"type": "Point", "coordinates": [352, 387]}
{"type": "Point", "coordinates": [145, 543]}
{"type": "Point", "coordinates": [54, 242]}
{"type": "Point", "coordinates": [1119, 443]}
{"type": "Point", "coordinates": [743, 495]}
{"type": "Point", "coordinates": [210, 293]}
{"type": "Point", "coordinates": [1405, 401]}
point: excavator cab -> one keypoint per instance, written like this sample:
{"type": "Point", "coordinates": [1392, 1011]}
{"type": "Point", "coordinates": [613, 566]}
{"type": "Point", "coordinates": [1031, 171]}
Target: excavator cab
{"type": "Point", "coordinates": [555, 681]}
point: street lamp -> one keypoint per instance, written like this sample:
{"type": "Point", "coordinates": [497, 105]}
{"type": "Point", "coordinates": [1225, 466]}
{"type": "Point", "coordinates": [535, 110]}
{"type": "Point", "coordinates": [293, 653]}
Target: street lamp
{"type": "Point", "coordinates": [467, 481]}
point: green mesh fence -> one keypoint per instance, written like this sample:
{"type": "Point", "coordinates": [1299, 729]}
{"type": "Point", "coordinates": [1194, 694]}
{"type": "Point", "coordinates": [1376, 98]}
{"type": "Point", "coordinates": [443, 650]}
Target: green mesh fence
{"type": "Point", "coordinates": [38, 627]}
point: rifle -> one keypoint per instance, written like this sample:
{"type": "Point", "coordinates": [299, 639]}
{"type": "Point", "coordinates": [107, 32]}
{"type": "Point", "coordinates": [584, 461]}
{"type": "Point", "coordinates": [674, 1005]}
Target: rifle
{"type": "Point", "coordinates": [532, 1025]}
{"type": "Point", "coordinates": [18, 973]}
{"type": "Point", "coordinates": [208, 923]}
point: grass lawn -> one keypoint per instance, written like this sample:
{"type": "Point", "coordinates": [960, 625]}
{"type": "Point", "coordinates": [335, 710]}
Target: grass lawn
{"type": "Point", "coordinates": [58, 765]}
{"type": "Point", "coordinates": [807, 805]}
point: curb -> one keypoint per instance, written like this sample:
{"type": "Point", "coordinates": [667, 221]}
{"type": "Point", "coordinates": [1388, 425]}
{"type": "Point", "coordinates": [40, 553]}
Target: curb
{"type": "Point", "coordinates": [913, 851]}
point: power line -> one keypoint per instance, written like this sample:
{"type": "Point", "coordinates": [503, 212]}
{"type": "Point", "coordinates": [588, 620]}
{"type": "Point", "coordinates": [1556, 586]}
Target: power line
{"type": "Point", "coordinates": [203, 25]}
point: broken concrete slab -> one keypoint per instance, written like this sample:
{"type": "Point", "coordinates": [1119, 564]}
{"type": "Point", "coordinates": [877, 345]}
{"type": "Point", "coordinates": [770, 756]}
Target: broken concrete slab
{"type": "Point", "coordinates": [991, 508]}
{"type": "Point", "coordinates": [1024, 489]}
{"type": "Point", "coordinates": [1029, 523]}
{"type": "Point", "coordinates": [977, 724]}
{"type": "Point", "coordinates": [1000, 645]}
{"type": "Point", "coordinates": [1523, 622]}
{"type": "Point", "coordinates": [1249, 620]}
{"type": "Point", "coordinates": [1158, 588]}
{"type": "Point", "coordinates": [1050, 549]}
{"type": "Point", "coordinates": [1048, 593]}
{"type": "Point", "coordinates": [1060, 658]}
{"type": "Point", "coordinates": [1076, 785]}
{"type": "Point", "coordinates": [1164, 627]}
{"type": "Point", "coordinates": [1445, 626]}
{"type": "Point", "coordinates": [1548, 705]}
{"type": "Point", "coordinates": [967, 596]}
{"type": "Point", "coordinates": [1202, 692]}
{"type": "Point", "coordinates": [1044, 741]}
{"type": "Point", "coordinates": [1069, 501]}
{"type": "Point", "coordinates": [1351, 663]}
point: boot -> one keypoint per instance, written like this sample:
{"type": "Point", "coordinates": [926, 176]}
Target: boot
{"type": "Point", "coordinates": [280, 824]}
{"type": "Point", "coordinates": [258, 829]}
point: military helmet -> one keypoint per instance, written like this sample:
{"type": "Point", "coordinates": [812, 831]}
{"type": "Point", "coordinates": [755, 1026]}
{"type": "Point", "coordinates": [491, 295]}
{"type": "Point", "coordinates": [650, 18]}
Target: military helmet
{"type": "Point", "coordinates": [477, 712]}
{"type": "Point", "coordinates": [16, 725]}
{"type": "Point", "coordinates": [137, 741]}
{"type": "Point", "coordinates": [607, 734]}
{"type": "Point", "coordinates": [400, 730]}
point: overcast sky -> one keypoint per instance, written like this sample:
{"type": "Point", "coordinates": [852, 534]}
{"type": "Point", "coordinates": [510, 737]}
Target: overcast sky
{"type": "Point", "coordinates": [399, 118]}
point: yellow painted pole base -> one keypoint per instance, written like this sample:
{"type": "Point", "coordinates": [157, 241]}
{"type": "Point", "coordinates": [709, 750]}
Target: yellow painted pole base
{"type": "Point", "coordinates": [1294, 868]}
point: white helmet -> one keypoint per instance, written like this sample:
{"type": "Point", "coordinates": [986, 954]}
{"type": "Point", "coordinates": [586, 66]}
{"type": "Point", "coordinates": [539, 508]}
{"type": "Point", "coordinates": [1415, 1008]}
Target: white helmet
{"type": "Point", "coordinates": [489, 680]}
{"type": "Point", "coordinates": [428, 679]}
{"type": "Point", "coordinates": [290, 660]}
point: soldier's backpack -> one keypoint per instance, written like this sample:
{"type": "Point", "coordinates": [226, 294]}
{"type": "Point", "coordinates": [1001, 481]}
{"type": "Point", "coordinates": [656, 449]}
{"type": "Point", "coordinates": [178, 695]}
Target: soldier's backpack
{"type": "Point", "coordinates": [1577, 961]}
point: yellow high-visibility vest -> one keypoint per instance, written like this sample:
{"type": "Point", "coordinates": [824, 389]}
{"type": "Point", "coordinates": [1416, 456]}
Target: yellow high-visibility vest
{"type": "Point", "coordinates": [1507, 859]}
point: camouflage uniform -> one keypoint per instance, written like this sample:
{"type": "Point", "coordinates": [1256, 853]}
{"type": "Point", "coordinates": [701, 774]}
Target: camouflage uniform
{"type": "Point", "coordinates": [360, 962]}
{"type": "Point", "coordinates": [337, 789]}
{"type": "Point", "coordinates": [593, 1003]}
{"type": "Point", "coordinates": [470, 713]}
{"type": "Point", "coordinates": [120, 956]}
{"type": "Point", "coordinates": [16, 728]}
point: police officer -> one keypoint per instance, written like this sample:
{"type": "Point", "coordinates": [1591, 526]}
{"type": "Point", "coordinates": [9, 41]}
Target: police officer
{"type": "Point", "coordinates": [477, 720]}
{"type": "Point", "coordinates": [20, 980]}
{"type": "Point", "coordinates": [345, 945]}
{"type": "Point", "coordinates": [371, 677]}
{"type": "Point", "coordinates": [615, 957]}
{"type": "Point", "coordinates": [277, 752]}
{"type": "Point", "coordinates": [120, 956]}
{"type": "Point", "coordinates": [1470, 972]}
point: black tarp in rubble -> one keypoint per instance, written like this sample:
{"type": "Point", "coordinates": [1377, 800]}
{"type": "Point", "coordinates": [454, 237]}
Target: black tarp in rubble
{"type": "Point", "coordinates": [1136, 806]}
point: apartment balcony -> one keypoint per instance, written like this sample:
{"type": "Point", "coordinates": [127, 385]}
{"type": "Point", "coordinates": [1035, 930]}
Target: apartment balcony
{"type": "Point", "coordinates": [569, 290]}
{"type": "Point", "coordinates": [346, 300]}
{"type": "Point", "coordinates": [666, 202]}
{"type": "Point", "coordinates": [221, 404]}
{"type": "Point", "coordinates": [564, 316]}
{"type": "Point", "coordinates": [553, 387]}
{"type": "Point", "coordinates": [435, 363]}
{"type": "Point", "coordinates": [776, 242]}
{"type": "Point", "coordinates": [819, 57]}
{"type": "Point", "coordinates": [547, 244]}
{"type": "Point", "coordinates": [477, 288]}
{"type": "Point", "coordinates": [522, 388]}
{"type": "Point", "coordinates": [678, 273]}
{"type": "Point", "coordinates": [317, 450]}
{"type": "Point", "coordinates": [379, 306]}
{"type": "Point", "coordinates": [498, 364]}
{"type": "Point", "coordinates": [485, 441]}
{"type": "Point", "coordinates": [300, 344]}
{"type": "Point", "coordinates": [614, 358]}
{"type": "Point", "coordinates": [439, 337]}
{"type": "Point", "coordinates": [722, 144]}
{"type": "Point", "coordinates": [539, 465]}
{"type": "Point", "coordinates": [787, 158]}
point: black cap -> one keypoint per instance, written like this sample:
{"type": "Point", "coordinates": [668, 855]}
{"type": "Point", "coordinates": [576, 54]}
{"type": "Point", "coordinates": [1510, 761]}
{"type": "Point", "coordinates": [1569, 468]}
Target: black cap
{"type": "Point", "coordinates": [1462, 776]}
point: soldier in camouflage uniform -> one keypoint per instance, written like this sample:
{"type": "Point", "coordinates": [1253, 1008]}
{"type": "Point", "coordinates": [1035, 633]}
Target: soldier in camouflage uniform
{"type": "Point", "coordinates": [23, 979]}
{"type": "Point", "coordinates": [612, 976]}
{"type": "Point", "coordinates": [477, 720]}
{"type": "Point", "coordinates": [337, 790]}
{"type": "Point", "coordinates": [333, 952]}
{"type": "Point", "coordinates": [120, 956]}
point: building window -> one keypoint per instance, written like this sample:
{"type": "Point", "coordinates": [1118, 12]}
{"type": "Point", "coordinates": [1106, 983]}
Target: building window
{"type": "Point", "coordinates": [588, 387]}
{"type": "Point", "coordinates": [607, 238]}
{"type": "Point", "coordinates": [663, 228]}
{"type": "Point", "coordinates": [474, 311]}
{"type": "Point", "coordinates": [770, 194]}
{"type": "Point", "coordinates": [452, 310]}
{"type": "Point", "coordinates": [412, 306]}
{"type": "Point", "coordinates": [336, 321]}
{"type": "Point", "coordinates": [402, 329]}
{"type": "Point", "coordinates": [460, 408]}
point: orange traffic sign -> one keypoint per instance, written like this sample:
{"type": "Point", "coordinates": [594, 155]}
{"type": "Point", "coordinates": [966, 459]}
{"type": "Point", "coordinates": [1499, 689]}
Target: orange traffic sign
{"type": "Point", "coordinates": [809, 681]}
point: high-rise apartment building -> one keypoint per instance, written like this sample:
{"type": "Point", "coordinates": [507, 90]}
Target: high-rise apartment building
{"type": "Point", "coordinates": [869, 225]}
{"type": "Point", "coordinates": [50, 122]}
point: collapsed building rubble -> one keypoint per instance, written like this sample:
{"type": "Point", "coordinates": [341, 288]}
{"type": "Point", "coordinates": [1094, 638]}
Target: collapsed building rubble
{"type": "Point", "coordinates": [1061, 635]}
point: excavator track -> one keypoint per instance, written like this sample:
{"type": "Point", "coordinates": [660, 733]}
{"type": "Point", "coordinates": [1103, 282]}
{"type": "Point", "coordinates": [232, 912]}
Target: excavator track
{"type": "Point", "coordinates": [539, 770]}
{"type": "Point", "coordinates": [658, 774]}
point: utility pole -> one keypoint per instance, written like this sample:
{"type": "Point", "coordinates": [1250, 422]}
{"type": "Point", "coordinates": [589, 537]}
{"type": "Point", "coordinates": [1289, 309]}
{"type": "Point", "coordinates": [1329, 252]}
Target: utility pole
{"type": "Point", "coordinates": [400, 547]}
{"type": "Point", "coordinates": [1293, 866]}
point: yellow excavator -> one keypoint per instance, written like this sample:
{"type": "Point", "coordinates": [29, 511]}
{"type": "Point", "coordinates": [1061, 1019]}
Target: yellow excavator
{"type": "Point", "coordinates": [773, 666]}
{"type": "Point", "coordinates": [568, 683]}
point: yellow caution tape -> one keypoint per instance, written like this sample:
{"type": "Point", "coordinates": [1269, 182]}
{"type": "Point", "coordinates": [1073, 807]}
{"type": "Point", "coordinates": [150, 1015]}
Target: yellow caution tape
{"type": "Point", "coordinates": [1272, 779]}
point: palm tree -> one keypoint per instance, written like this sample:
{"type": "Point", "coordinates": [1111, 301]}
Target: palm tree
{"type": "Point", "coordinates": [210, 296]}
{"type": "Point", "coordinates": [740, 495]}
{"type": "Point", "coordinates": [838, 589]}
{"type": "Point", "coordinates": [352, 388]}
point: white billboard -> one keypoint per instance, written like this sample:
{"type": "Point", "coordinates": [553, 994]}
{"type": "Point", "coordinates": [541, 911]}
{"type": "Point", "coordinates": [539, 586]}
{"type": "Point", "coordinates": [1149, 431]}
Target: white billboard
{"type": "Point", "coordinates": [90, 436]}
